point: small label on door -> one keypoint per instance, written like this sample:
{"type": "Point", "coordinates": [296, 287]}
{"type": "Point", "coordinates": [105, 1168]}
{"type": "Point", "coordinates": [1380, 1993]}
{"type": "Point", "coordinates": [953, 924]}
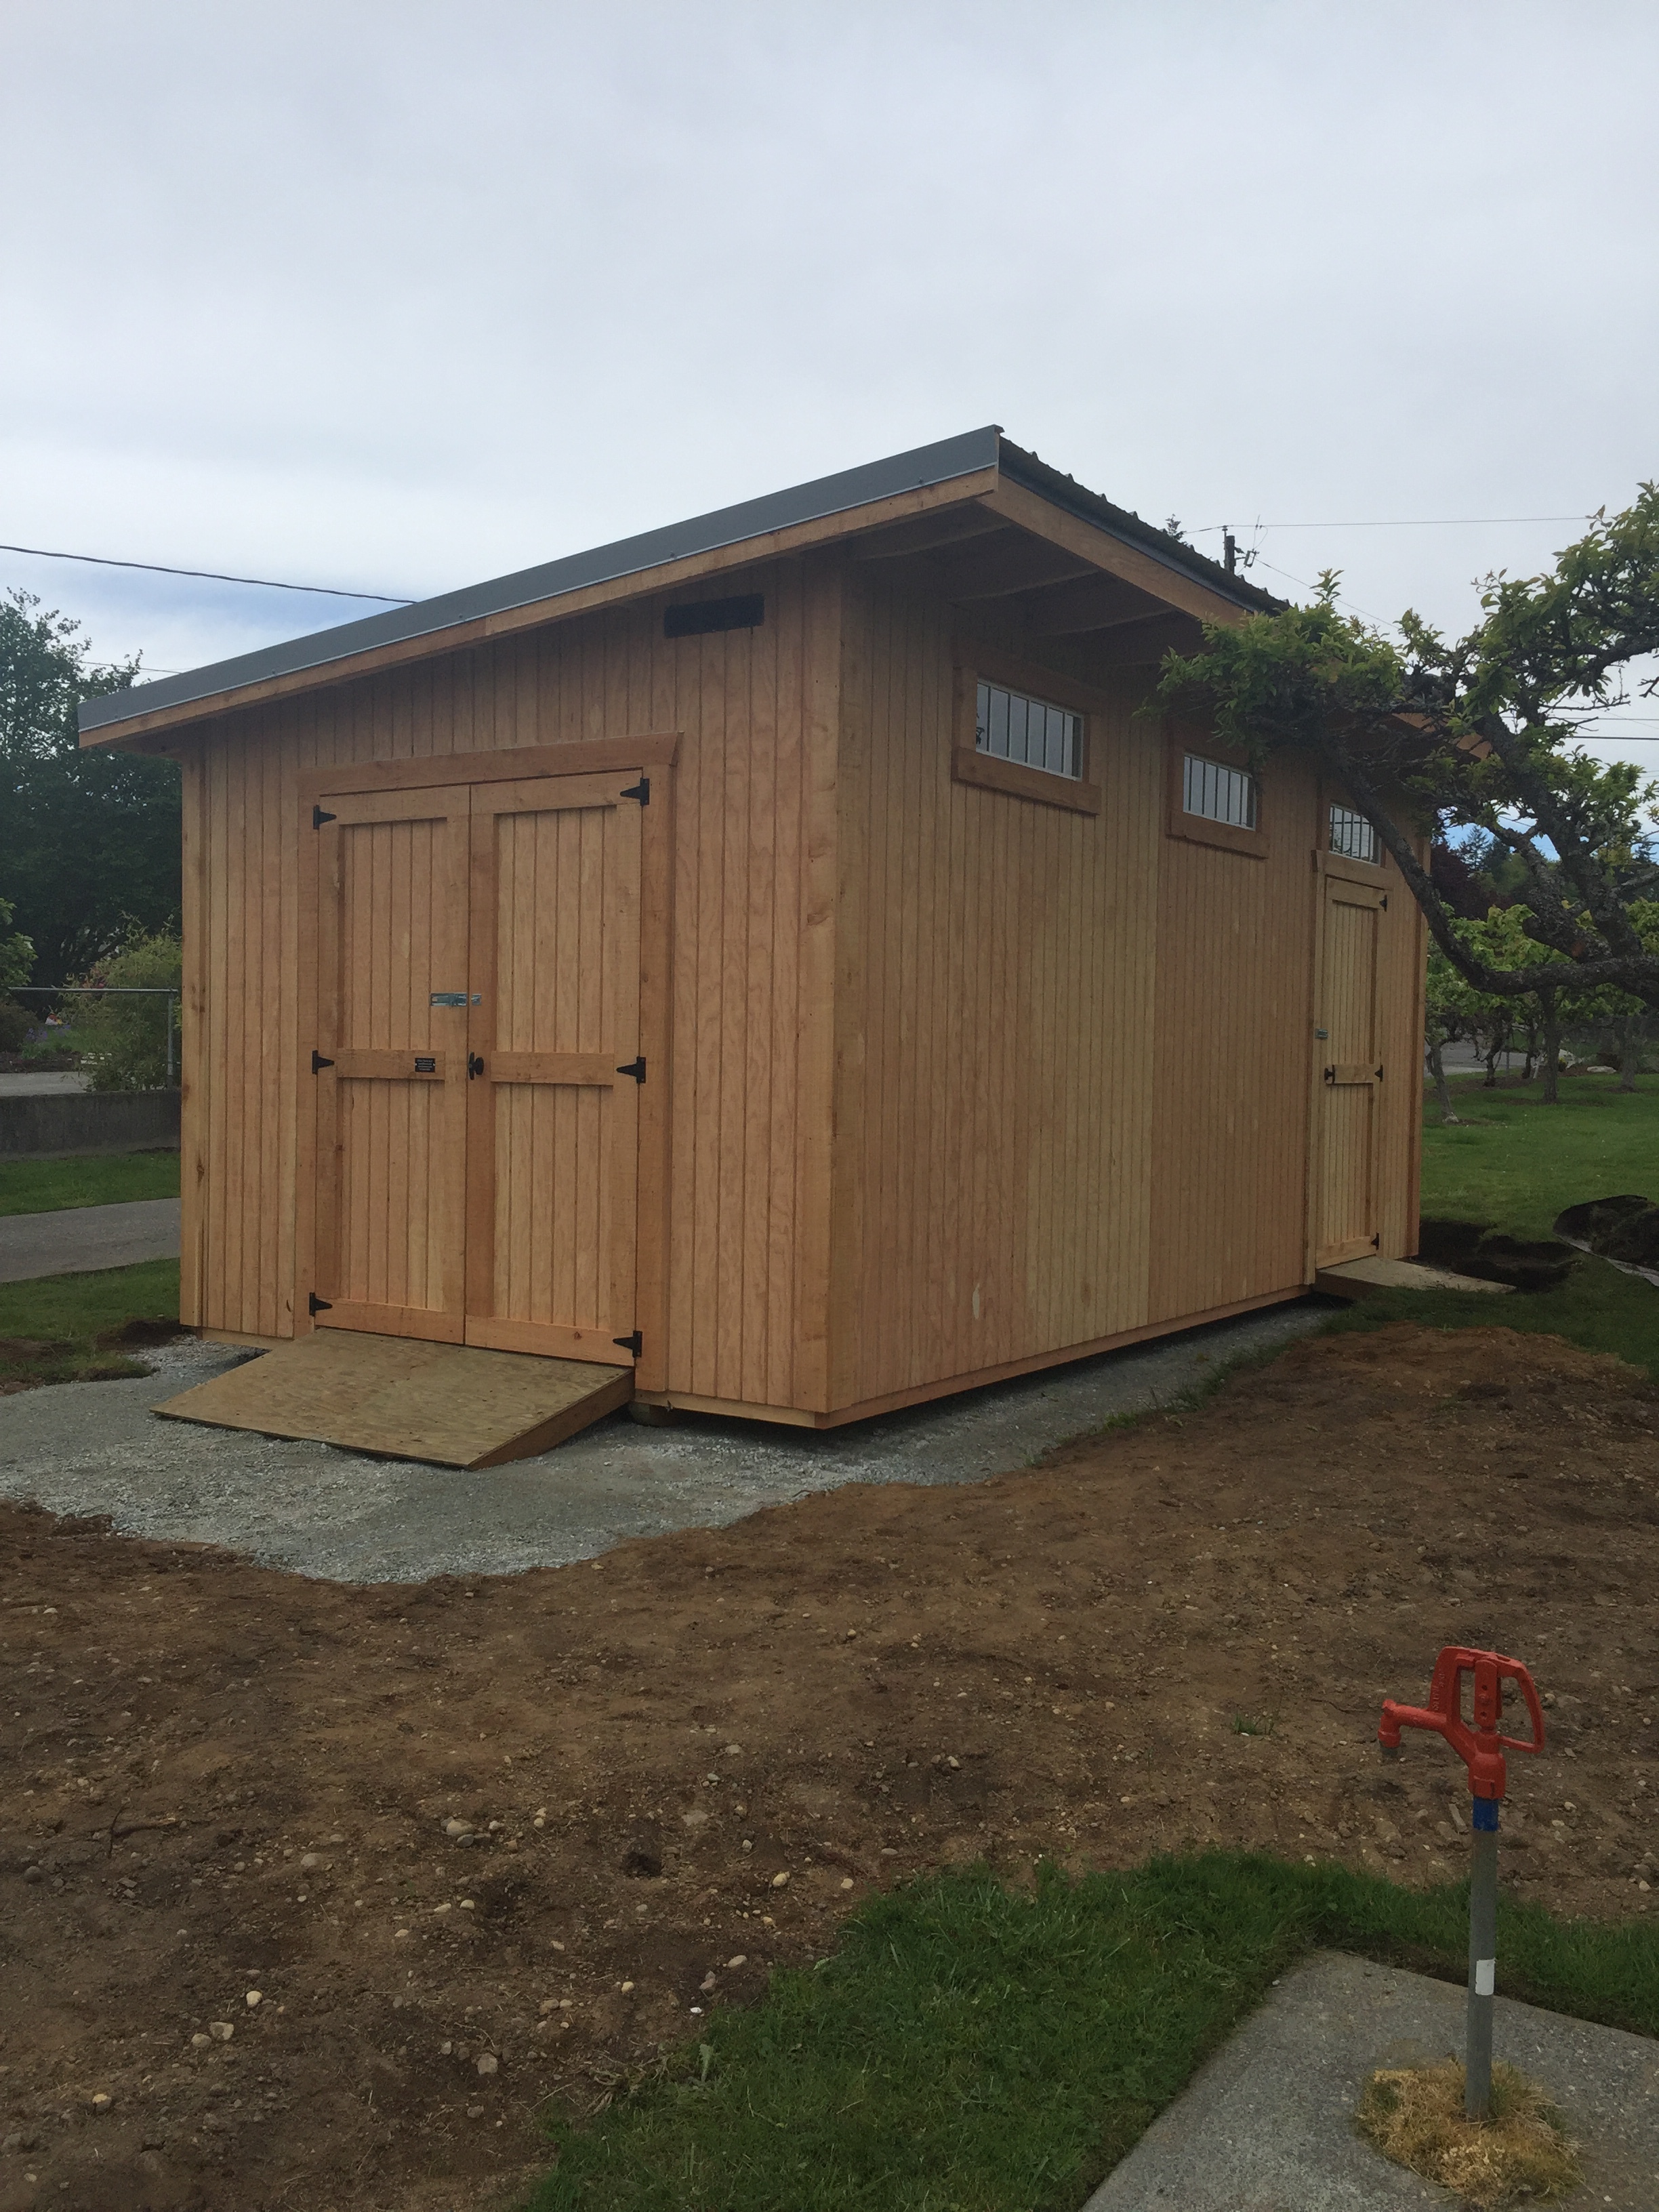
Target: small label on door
{"type": "Point", "coordinates": [426, 1067]}
{"type": "Point", "coordinates": [448, 998]}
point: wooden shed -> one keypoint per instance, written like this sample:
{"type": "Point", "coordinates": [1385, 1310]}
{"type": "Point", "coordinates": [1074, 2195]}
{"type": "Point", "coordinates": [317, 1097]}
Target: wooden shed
{"type": "Point", "coordinates": [775, 956]}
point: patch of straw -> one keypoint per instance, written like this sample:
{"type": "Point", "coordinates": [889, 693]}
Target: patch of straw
{"type": "Point", "coordinates": [1414, 2115]}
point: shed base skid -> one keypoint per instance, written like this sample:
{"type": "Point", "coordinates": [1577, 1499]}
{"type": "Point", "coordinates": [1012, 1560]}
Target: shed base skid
{"type": "Point", "coordinates": [402, 1398]}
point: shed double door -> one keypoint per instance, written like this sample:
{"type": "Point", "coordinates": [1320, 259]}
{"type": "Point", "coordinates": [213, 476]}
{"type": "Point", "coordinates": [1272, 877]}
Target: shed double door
{"type": "Point", "coordinates": [1351, 1073]}
{"type": "Point", "coordinates": [477, 1065]}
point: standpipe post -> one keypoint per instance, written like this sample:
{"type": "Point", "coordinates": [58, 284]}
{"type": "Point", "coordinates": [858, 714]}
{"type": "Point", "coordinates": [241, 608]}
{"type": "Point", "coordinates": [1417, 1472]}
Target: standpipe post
{"type": "Point", "coordinates": [1483, 1959]}
{"type": "Point", "coordinates": [1482, 1748]}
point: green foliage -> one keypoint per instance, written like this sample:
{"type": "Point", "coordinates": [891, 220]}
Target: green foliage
{"type": "Point", "coordinates": [57, 1328]}
{"type": "Point", "coordinates": [46, 1186]}
{"type": "Point", "coordinates": [1478, 733]}
{"type": "Point", "coordinates": [16, 954]}
{"type": "Point", "coordinates": [90, 841]}
{"type": "Point", "coordinates": [126, 1040]}
{"type": "Point", "coordinates": [970, 2050]}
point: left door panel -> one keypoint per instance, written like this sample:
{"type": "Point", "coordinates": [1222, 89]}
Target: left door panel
{"type": "Point", "coordinates": [392, 1021]}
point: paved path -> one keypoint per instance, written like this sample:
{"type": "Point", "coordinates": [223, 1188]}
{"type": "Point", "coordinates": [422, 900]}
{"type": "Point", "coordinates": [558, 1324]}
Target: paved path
{"type": "Point", "coordinates": [78, 1238]}
{"type": "Point", "coordinates": [96, 1448]}
{"type": "Point", "coordinates": [1267, 2124]}
{"type": "Point", "coordinates": [36, 1086]}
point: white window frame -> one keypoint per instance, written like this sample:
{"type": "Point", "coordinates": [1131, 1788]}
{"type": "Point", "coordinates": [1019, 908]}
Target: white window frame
{"type": "Point", "coordinates": [994, 733]}
{"type": "Point", "coordinates": [1226, 788]}
{"type": "Point", "coordinates": [1350, 836]}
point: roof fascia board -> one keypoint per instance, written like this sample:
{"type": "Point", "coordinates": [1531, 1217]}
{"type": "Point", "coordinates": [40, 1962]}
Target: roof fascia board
{"type": "Point", "coordinates": [1144, 538]}
{"type": "Point", "coordinates": [1119, 556]}
{"type": "Point", "coordinates": [788, 518]}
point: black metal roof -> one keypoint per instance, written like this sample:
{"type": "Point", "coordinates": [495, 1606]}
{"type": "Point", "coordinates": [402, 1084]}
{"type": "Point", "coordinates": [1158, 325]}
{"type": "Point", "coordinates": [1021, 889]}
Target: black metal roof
{"type": "Point", "coordinates": [728, 526]}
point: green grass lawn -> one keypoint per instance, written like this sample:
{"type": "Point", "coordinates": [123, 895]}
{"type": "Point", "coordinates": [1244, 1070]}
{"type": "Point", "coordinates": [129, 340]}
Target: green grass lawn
{"type": "Point", "coordinates": [32, 1186]}
{"type": "Point", "coordinates": [1517, 1163]}
{"type": "Point", "coordinates": [1514, 1165]}
{"type": "Point", "coordinates": [70, 1328]}
{"type": "Point", "coordinates": [971, 2049]}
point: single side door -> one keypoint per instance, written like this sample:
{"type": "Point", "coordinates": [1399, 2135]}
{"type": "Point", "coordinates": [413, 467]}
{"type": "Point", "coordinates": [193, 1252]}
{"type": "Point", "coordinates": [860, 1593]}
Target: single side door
{"type": "Point", "coordinates": [391, 1062]}
{"type": "Point", "coordinates": [1351, 1073]}
{"type": "Point", "coordinates": [553, 1104]}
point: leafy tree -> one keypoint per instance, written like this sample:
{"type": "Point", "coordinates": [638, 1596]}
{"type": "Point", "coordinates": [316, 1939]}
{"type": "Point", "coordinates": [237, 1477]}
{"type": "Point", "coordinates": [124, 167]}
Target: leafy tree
{"type": "Point", "coordinates": [17, 952]}
{"type": "Point", "coordinates": [126, 1040]}
{"type": "Point", "coordinates": [90, 841]}
{"type": "Point", "coordinates": [1478, 733]}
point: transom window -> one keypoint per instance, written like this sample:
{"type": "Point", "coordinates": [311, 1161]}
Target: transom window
{"type": "Point", "coordinates": [1219, 792]}
{"type": "Point", "coordinates": [1009, 725]}
{"type": "Point", "coordinates": [1353, 837]}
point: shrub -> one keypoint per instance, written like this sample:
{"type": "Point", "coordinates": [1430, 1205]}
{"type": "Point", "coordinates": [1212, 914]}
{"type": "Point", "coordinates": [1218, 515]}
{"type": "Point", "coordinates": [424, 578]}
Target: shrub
{"type": "Point", "coordinates": [14, 1026]}
{"type": "Point", "coordinates": [126, 1040]}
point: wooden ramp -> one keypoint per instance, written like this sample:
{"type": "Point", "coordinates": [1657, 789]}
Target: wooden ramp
{"type": "Point", "coordinates": [1363, 1279]}
{"type": "Point", "coordinates": [404, 1399]}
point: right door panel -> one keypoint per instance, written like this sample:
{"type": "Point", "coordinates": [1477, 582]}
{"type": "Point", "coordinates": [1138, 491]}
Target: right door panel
{"type": "Point", "coordinates": [552, 1126]}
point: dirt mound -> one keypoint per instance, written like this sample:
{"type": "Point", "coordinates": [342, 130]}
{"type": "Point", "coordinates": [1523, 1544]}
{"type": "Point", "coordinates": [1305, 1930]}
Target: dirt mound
{"type": "Point", "coordinates": [476, 1843]}
{"type": "Point", "coordinates": [1623, 1229]}
{"type": "Point", "coordinates": [1491, 1256]}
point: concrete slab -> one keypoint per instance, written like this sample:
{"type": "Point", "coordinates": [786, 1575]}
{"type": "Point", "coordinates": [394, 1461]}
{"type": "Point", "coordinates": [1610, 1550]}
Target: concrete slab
{"type": "Point", "coordinates": [96, 1448]}
{"type": "Point", "coordinates": [1267, 2124]}
{"type": "Point", "coordinates": [77, 1239]}
{"type": "Point", "coordinates": [1361, 1279]}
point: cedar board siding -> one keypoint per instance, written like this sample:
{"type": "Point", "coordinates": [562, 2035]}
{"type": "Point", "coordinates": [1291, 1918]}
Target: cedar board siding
{"type": "Point", "coordinates": [1228, 1057]}
{"type": "Point", "coordinates": [752, 923]}
{"type": "Point", "coordinates": [1074, 1060]}
{"type": "Point", "coordinates": [958, 1081]}
{"type": "Point", "coordinates": [994, 1014]}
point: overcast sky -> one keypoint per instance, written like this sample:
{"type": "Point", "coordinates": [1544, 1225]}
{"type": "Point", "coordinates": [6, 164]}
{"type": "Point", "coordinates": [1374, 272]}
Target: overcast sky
{"type": "Point", "coordinates": [401, 297]}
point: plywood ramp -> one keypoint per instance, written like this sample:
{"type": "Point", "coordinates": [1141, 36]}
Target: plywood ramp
{"type": "Point", "coordinates": [406, 1399]}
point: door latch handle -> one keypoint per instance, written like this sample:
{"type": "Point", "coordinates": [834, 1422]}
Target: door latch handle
{"type": "Point", "coordinates": [474, 1065]}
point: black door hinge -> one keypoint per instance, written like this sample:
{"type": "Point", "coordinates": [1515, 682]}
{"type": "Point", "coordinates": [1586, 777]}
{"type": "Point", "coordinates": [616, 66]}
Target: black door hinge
{"type": "Point", "coordinates": [1385, 902]}
{"type": "Point", "coordinates": [635, 1068]}
{"type": "Point", "coordinates": [635, 1344]}
{"type": "Point", "coordinates": [1379, 1075]}
{"type": "Point", "coordinates": [474, 1065]}
{"type": "Point", "coordinates": [319, 1305]}
{"type": "Point", "coordinates": [318, 1063]}
{"type": "Point", "coordinates": [1377, 1241]}
{"type": "Point", "coordinates": [641, 791]}
{"type": "Point", "coordinates": [318, 817]}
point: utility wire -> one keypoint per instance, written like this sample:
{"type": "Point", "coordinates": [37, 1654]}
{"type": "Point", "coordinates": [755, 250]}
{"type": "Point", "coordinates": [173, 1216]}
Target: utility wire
{"type": "Point", "coordinates": [210, 575]}
{"type": "Point", "coordinates": [1405, 522]}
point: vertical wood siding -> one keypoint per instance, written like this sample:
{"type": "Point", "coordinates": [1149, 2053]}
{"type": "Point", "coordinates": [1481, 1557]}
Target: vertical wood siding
{"type": "Point", "coordinates": [992, 1194]}
{"type": "Point", "coordinates": [1072, 1052]}
{"type": "Point", "coordinates": [1228, 1054]}
{"type": "Point", "coordinates": [754, 796]}
{"type": "Point", "coordinates": [958, 1080]}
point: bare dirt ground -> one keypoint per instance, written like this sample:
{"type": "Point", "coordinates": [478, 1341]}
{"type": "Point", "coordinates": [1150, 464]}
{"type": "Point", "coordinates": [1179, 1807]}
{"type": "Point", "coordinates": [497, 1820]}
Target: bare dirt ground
{"type": "Point", "coordinates": [479, 1843]}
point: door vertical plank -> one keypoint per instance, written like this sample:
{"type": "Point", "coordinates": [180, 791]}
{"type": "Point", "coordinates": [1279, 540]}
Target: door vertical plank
{"type": "Point", "coordinates": [327, 1258]}
{"type": "Point", "coordinates": [650, 1208]}
{"type": "Point", "coordinates": [483, 1029]}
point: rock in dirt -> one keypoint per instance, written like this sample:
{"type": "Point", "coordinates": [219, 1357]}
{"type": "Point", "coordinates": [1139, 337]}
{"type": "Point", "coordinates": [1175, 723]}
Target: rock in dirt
{"type": "Point", "coordinates": [489, 2063]}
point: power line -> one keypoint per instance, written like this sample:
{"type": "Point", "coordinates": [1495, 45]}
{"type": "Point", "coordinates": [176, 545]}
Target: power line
{"type": "Point", "coordinates": [1405, 522]}
{"type": "Point", "coordinates": [208, 576]}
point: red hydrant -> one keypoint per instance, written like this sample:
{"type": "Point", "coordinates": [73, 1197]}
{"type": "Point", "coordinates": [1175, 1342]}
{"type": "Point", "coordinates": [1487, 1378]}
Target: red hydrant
{"type": "Point", "coordinates": [1482, 1748]}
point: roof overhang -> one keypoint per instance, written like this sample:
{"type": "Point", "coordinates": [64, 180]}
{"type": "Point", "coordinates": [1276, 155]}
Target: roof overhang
{"type": "Point", "coordinates": [1018, 493]}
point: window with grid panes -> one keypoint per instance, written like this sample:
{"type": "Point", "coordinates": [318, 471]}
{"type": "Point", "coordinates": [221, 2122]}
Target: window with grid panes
{"type": "Point", "coordinates": [1353, 837]}
{"type": "Point", "coordinates": [1219, 794]}
{"type": "Point", "coordinates": [1010, 725]}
